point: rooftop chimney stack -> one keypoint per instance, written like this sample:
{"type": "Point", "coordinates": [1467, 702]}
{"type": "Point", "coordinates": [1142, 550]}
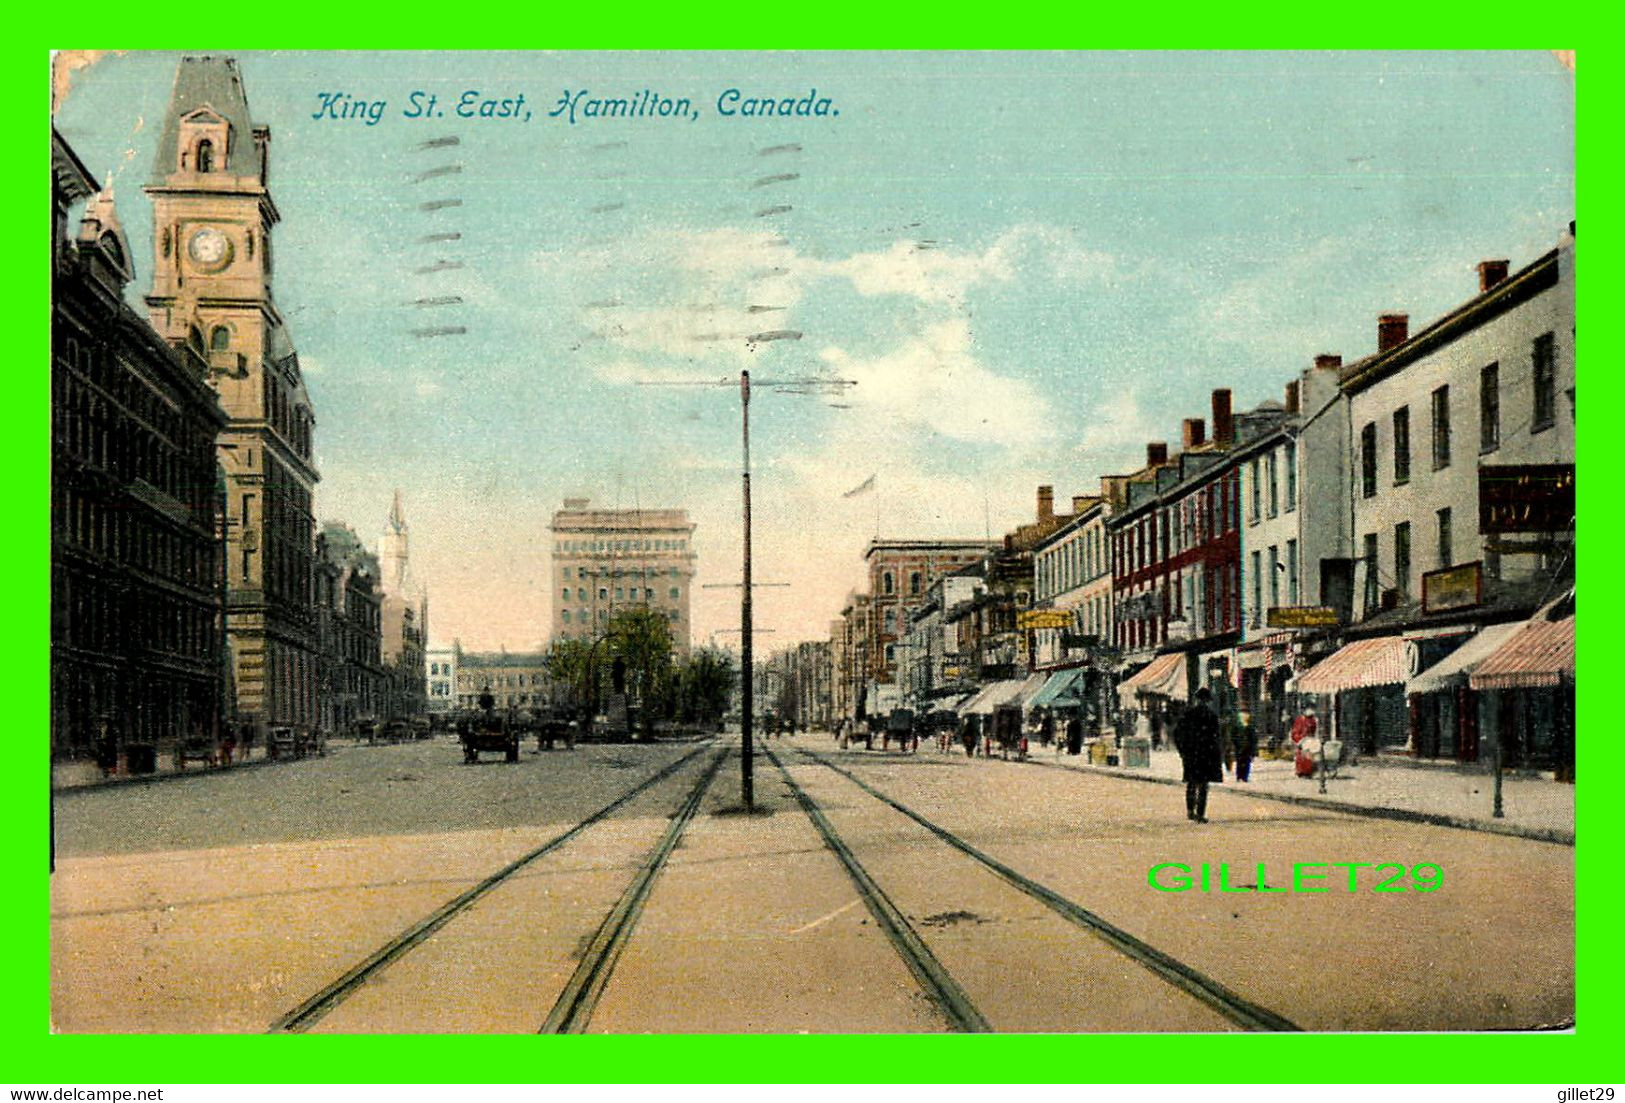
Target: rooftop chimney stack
{"type": "Point", "coordinates": [1293, 405]}
{"type": "Point", "coordinates": [1328, 360]}
{"type": "Point", "coordinates": [1046, 503]}
{"type": "Point", "coordinates": [1080, 502]}
{"type": "Point", "coordinates": [1156, 453]}
{"type": "Point", "coordinates": [1194, 433]}
{"type": "Point", "coordinates": [1224, 425]}
{"type": "Point", "coordinates": [1490, 273]}
{"type": "Point", "coordinates": [1392, 329]}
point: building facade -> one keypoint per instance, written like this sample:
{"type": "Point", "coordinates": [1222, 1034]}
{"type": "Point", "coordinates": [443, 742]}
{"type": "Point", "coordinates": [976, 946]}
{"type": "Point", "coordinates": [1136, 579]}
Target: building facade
{"type": "Point", "coordinates": [515, 681]}
{"type": "Point", "coordinates": [442, 678]}
{"type": "Point", "coordinates": [900, 573]}
{"type": "Point", "coordinates": [352, 684]}
{"type": "Point", "coordinates": [609, 560]}
{"type": "Point", "coordinates": [136, 656]}
{"type": "Point", "coordinates": [213, 217]}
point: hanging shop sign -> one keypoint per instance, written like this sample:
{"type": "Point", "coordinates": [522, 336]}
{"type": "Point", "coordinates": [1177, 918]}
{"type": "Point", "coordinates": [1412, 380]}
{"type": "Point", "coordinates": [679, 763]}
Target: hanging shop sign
{"type": "Point", "coordinates": [1525, 497]}
{"type": "Point", "coordinates": [1302, 616]}
{"type": "Point", "coordinates": [1045, 618]}
{"type": "Point", "coordinates": [1460, 587]}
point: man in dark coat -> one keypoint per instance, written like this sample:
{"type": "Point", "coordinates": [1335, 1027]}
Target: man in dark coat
{"type": "Point", "coordinates": [1197, 737]}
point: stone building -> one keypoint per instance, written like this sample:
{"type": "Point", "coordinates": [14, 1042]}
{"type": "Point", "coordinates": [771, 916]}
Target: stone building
{"type": "Point", "coordinates": [136, 661]}
{"type": "Point", "coordinates": [609, 560]}
{"type": "Point", "coordinates": [900, 573]}
{"type": "Point", "coordinates": [211, 290]}
{"type": "Point", "coordinates": [442, 678]}
{"type": "Point", "coordinates": [351, 682]}
{"type": "Point", "coordinates": [517, 680]}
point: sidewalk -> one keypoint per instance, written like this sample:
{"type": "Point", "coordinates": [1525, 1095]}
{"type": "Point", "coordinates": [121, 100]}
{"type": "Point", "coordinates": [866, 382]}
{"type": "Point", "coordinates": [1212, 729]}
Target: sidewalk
{"type": "Point", "coordinates": [69, 776]}
{"type": "Point", "coordinates": [1535, 808]}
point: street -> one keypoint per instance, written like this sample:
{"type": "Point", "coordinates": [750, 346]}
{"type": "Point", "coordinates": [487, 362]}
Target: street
{"type": "Point", "coordinates": [395, 889]}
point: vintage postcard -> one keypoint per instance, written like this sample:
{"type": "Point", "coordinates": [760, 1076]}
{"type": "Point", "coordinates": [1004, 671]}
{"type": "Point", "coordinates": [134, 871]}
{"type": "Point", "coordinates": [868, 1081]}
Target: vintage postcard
{"type": "Point", "coordinates": [774, 543]}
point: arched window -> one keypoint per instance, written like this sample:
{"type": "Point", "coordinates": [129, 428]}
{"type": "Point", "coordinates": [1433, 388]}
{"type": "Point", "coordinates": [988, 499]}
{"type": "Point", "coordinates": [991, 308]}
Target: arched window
{"type": "Point", "coordinates": [886, 583]}
{"type": "Point", "coordinates": [914, 582]}
{"type": "Point", "coordinates": [205, 156]}
{"type": "Point", "coordinates": [220, 339]}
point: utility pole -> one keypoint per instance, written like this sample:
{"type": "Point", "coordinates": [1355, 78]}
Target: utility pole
{"type": "Point", "coordinates": [747, 793]}
{"type": "Point", "coordinates": [806, 385]}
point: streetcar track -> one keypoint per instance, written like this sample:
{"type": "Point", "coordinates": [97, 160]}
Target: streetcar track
{"type": "Point", "coordinates": [312, 1010]}
{"type": "Point", "coordinates": [575, 1004]}
{"type": "Point", "coordinates": [921, 962]}
{"type": "Point", "coordinates": [1233, 1006]}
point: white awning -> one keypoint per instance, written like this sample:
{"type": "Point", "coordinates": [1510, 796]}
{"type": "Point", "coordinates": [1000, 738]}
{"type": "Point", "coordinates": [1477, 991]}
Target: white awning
{"type": "Point", "coordinates": [992, 696]}
{"type": "Point", "coordinates": [1164, 677]}
{"type": "Point", "coordinates": [1453, 669]}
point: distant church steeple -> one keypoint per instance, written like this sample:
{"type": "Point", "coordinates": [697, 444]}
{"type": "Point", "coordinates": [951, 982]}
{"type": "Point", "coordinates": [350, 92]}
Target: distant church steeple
{"type": "Point", "coordinates": [393, 549]}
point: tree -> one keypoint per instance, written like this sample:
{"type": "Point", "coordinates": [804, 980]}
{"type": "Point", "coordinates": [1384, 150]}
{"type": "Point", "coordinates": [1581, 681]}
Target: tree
{"type": "Point", "coordinates": [567, 666]}
{"type": "Point", "coordinates": [641, 639]}
{"type": "Point", "coordinates": [705, 685]}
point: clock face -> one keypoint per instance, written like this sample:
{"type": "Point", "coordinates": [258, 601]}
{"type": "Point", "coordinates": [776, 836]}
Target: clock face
{"type": "Point", "coordinates": [209, 249]}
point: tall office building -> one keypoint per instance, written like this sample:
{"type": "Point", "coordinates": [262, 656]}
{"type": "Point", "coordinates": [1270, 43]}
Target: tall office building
{"type": "Point", "coordinates": [609, 560]}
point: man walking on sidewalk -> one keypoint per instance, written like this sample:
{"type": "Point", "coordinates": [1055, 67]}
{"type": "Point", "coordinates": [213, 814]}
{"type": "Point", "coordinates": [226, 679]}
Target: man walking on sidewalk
{"type": "Point", "coordinates": [1196, 737]}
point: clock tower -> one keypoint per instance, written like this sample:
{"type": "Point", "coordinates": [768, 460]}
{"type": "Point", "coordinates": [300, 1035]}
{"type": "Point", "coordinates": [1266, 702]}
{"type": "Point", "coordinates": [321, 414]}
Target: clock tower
{"type": "Point", "coordinates": [211, 286]}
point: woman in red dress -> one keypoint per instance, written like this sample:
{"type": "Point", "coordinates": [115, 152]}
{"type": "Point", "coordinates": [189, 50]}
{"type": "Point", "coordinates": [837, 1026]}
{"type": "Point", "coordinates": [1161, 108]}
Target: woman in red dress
{"type": "Point", "coordinates": [1304, 729]}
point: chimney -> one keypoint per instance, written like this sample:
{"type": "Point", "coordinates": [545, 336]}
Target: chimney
{"type": "Point", "coordinates": [1194, 433]}
{"type": "Point", "coordinates": [1156, 453]}
{"type": "Point", "coordinates": [1224, 426]}
{"type": "Point", "coordinates": [1490, 273]}
{"type": "Point", "coordinates": [1046, 503]}
{"type": "Point", "coordinates": [1328, 360]}
{"type": "Point", "coordinates": [1292, 398]}
{"type": "Point", "coordinates": [1392, 329]}
{"type": "Point", "coordinates": [1080, 502]}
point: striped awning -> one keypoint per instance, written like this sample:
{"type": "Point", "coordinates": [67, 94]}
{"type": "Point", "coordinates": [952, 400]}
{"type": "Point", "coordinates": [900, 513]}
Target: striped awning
{"type": "Point", "coordinates": [1540, 654]}
{"type": "Point", "coordinates": [1453, 669]}
{"type": "Point", "coordinates": [1363, 664]}
{"type": "Point", "coordinates": [992, 696]}
{"type": "Point", "coordinates": [1058, 690]}
{"type": "Point", "coordinates": [1165, 676]}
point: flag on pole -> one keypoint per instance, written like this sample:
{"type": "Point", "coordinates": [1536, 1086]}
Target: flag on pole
{"type": "Point", "coordinates": [862, 488]}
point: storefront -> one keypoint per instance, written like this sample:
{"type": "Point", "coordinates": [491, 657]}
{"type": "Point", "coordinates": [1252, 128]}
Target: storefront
{"type": "Point", "coordinates": [1153, 693]}
{"type": "Point", "coordinates": [1444, 709]}
{"type": "Point", "coordinates": [1528, 684]}
{"type": "Point", "coordinates": [1365, 681]}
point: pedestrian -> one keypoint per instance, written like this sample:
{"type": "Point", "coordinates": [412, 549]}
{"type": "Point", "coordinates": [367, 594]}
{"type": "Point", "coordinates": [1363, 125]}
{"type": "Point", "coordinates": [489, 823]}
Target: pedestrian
{"type": "Point", "coordinates": [1305, 742]}
{"type": "Point", "coordinates": [228, 746]}
{"type": "Point", "coordinates": [1046, 732]}
{"type": "Point", "coordinates": [1074, 735]}
{"type": "Point", "coordinates": [1196, 737]}
{"type": "Point", "coordinates": [1246, 746]}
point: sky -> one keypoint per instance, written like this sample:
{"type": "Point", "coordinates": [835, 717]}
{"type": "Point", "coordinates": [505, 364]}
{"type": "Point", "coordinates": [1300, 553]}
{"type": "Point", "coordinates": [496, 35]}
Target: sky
{"type": "Point", "coordinates": [1029, 265]}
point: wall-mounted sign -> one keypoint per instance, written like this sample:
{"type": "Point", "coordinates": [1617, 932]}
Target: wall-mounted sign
{"type": "Point", "coordinates": [1045, 618]}
{"type": "Point", "coordinates": [1460, 587]}
{"type": "Point", "coordinates": [1302, 616]}
{"type": "Point", "coordinates": [1527, 497]}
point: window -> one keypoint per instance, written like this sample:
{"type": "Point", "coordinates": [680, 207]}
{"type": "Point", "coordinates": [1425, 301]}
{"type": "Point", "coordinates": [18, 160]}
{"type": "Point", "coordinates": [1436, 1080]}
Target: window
{"type": "Point", "coordinates": [1372, 593]}
{"type": "Point", "coordinates": [1444, 537]}
{"type": "Point", "coordinates": [1258, 589]}
{"type": "Point", "coordinates": [673, 593]}
{"type": "Point", "coordinates": [567, 616]}
{"type": "Point", "coordinates": [603, 593]}
{"type": "Point", "coordinates": [1292, 572]}
{"type": "Point", "coordinates": [1545, 379]}
{"type": "Point", "coordinates": [1402, 557]}
{"type": "Point", "coordinates": [581, 593]}
{"type": "Point", "coordinates": [1291, 463]}
{"type": "Point", "coordinates": [220, 339]}
{"type": "Point", "coordinates": [1441, 428]}
{"type": "Point", "coordinates": [1368, 460]}
{"type": "Point", "coordinates": [1252, 508]}
{"type": "Point", "coordinates": [914, 582]}
{"type": "Point", "coordinates": [1270, 475]}
{"type": "Point", "coordinates": [886, 584]}
{"type": "Point", "coordinates": [1275, 575]}
{"type": "Point", "coordinates": [1489, 408]}
{"type": "Point", "coordinates": [620, 593]}
{"type": "Point", "coordinates": [891, 653]}
{"type": "Point", "coordinates": [205, 156]}
{"type": "Point", "coordinates": [566, 594]}
{"type": "Point", "coordinates": [1402, 445]}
